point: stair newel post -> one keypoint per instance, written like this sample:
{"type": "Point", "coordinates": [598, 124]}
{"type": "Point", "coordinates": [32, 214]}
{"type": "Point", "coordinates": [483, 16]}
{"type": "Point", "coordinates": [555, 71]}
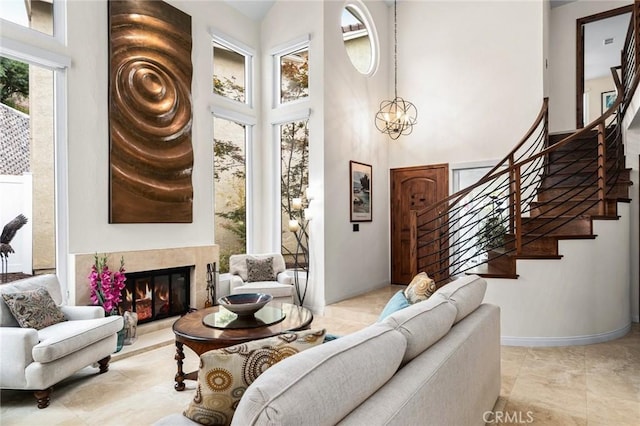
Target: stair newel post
{"type": "Point", "coordinates": [413, 242]}
{"type": "Point", "coordinates": [602, 169]}
{"type": "Point", "coordinates": [512, 198]}
{"type": "Point", "coordinates": [545, 103]}
{"type": "Point", "coordinates": [518, 208]}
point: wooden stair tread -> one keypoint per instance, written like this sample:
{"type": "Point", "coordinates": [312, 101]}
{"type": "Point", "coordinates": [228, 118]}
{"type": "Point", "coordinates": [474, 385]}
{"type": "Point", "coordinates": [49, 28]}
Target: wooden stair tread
{"type": "Point", "coordinates": [512, 254]}
{"type": "Point", "coordinates": [566, 236]}
{"type": "Point", "coordinates": [604, 217]}
{"type": "Point", "coordinates": [488, 271]}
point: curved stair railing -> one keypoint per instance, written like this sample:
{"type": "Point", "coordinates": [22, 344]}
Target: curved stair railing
{"type": "Point", "coordinates": [549, 187]}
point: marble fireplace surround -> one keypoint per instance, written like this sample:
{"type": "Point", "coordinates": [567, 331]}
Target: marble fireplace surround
{"type": "Point", "coordinates": [148, 260]}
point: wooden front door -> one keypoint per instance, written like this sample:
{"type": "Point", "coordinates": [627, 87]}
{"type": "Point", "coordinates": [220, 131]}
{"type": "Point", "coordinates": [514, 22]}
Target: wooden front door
{"type": "Point", "coordinates": [412, 188]}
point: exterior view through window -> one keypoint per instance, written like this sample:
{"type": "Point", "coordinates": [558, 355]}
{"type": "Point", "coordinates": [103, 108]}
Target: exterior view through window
{"type": "Point", "coordinates": [229, 73]}
{"type": "Point", "coordinates": [229, 173]}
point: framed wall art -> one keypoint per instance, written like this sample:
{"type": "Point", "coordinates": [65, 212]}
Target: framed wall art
{"type": "Point", "coordinates": [607, 99]}
{"type": "Point", "coordinates": [360, 191]}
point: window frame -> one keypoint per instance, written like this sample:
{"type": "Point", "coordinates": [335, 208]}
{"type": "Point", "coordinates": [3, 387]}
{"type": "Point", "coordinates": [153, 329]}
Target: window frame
{"type": "Point", "coordinates": [276, 54]}
{"type": "Point", "coordinates": [249, 124]}
{"type": "Point", "coordinates": [362, 10]}
{"type": "Point", "coordinates": [30, 52]}
{"type": "Point", "coordinates": [299, 115]}
{"type": "Point", "coordinates": [249, 61]}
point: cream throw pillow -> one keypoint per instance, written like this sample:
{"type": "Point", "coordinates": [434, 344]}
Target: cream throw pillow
{"type": "Point", "coordinates": [226, 373]}
{"type": "Point", "coordinates": [420, 288]}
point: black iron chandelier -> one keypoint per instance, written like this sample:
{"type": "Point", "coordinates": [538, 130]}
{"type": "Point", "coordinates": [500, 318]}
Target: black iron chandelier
{"type": "Point", "coordinates": [398, 116]}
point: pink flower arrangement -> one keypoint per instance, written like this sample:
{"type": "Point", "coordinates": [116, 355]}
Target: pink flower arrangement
{"type": "Point", "coordinates": [106, 286]}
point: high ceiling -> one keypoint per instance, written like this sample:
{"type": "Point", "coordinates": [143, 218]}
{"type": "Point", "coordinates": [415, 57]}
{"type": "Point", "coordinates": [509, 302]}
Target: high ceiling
{"type": "Point", "coordinates": [598, 56]}
{"type": "Point", "coordinates": [254, 9]}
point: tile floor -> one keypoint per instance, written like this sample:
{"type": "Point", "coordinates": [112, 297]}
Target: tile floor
{"type": "Point", "coordinates": [579, 385]}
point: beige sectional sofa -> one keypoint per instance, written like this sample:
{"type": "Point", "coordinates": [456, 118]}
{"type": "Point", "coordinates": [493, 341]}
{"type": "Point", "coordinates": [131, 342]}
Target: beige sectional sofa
{"type": "Point", "coordinates": [435, 362]}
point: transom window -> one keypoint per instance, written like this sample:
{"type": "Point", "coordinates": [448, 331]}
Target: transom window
{"type": "Point", "coordinates": [231, 71]}
{"type": "Point", "coordinates": [36, 15]}
{"type": "Point", "coordinates": [294, 75]}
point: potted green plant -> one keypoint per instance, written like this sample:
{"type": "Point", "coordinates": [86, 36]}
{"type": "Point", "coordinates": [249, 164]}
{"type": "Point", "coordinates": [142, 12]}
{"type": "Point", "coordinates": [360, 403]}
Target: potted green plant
{"type": "Point", "coordinates": [492, 229]}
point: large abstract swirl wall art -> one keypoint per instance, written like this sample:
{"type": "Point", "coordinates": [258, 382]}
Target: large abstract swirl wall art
{"type": "Point", "coordinates": [150, 113]}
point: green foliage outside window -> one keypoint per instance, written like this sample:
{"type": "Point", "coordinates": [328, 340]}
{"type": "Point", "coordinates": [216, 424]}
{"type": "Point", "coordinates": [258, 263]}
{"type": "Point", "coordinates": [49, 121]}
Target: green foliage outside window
{"type": "Point", "coordinates": [14, 84]}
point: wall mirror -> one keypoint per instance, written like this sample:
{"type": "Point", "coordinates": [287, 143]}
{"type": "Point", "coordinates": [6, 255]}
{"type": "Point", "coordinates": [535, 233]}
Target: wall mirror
{"type": "Point", "coordinates": [600, 39]}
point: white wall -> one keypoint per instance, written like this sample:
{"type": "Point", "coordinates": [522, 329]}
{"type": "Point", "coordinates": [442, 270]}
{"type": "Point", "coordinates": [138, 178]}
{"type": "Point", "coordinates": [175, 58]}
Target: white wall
{"type": "Point", "coordinates": [356, 262]}
{"type": "Point", "coordinates": [343, 103]}
{"type": "Point", "coordinates": [89, 230]}
{"type": "Point", "coordinates": [562, 58]}
{"type": "Point", "coordinates": [574, 300]}
{"type": "Point", "coordinates": [474, 71]}
{"type": "Point", "coordinates": [632, 152]}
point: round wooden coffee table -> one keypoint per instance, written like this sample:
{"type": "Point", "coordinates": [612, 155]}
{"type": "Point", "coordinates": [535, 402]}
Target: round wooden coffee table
{"type": "Point", "coordinates": [191, 331]}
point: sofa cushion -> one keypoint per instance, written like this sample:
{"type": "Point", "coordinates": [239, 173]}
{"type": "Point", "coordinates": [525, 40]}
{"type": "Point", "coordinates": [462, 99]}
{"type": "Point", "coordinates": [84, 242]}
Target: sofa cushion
{"type": "Point", "coordinates": [33, 308]}
{"type": "Point", "coordinates": [226, 373]}
{"type": "Point", "coordinates": [397, 302]}
{"type": "Point", "coordinates": [271, 287]}
{"type": "Point", "coordinates": [260, 270]}
{"type": "Point", "coordinates": [420, 288]}
{"type": "Point", "coordinates": [465, 293]}
{"type": "Point", "coordinates": [325, 383]}
{"type": "Point", "coordinates": [59, 340]}
{"type": "Point", "coordinates": [422, 324]}
{"type": "Point", "coordinates": [48, 281]}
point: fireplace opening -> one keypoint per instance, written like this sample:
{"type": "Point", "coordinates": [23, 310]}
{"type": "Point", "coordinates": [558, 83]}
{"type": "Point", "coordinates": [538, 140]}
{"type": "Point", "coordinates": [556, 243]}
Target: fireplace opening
{"type": "Point", "coordinates": [154, 295]}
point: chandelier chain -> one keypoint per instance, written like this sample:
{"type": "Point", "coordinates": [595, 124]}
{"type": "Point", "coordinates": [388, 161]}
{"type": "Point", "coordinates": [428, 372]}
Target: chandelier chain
{"type": "Point", "coordinates": [395, 46]}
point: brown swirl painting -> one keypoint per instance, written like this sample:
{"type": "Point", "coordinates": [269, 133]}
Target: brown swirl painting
{"type": "Point", "coordinates": [150, 113]}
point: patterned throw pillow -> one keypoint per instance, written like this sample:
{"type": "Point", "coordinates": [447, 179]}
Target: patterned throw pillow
{"type": "Point", "coordinates": [260, 269]}
{"type": "Point", "coordinates": [420, 288]}
{"type": "Point", "coordinates": [34, 308]}
{"type": "Point", "coordinates": [226, 373]}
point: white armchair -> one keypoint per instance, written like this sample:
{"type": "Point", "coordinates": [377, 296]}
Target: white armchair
{"type": "Point", "coordinates": [35, 360]}
{"type": "Point", "coordinates": [280, 286]}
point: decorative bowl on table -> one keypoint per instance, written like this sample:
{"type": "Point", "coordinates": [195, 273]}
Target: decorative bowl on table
{"type": "Point", "coordinates": [245, 304]}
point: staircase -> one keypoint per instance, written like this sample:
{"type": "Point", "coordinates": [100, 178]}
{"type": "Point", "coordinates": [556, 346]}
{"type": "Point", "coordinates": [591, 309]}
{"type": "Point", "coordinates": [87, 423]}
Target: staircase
{"type": "Point", "coordinates": [566, 204]}
{"type": "Point", "coordinates": [550, 187]}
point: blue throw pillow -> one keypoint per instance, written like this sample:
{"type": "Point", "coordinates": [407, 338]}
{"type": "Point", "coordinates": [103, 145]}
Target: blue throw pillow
{"type": "Point", "coordinates": [329, 337]}
{"type": "Point", "coordinates": [397, 302]}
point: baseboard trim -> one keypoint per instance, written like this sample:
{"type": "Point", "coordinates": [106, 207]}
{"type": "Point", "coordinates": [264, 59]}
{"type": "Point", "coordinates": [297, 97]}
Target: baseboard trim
{"type": "Point", "coordinates": [636, 319]}
{"type": "Point", "coordinates": [566, 341]}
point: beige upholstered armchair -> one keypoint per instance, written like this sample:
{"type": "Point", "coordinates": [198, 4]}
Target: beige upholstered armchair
{"type": "Point", "coordinates": [63, 341]}
{"type": "Point", "coordinates": [261, 273]}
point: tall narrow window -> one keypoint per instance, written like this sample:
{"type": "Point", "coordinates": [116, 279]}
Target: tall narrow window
{"type": "Point", "coordinates": [294, 179]}
{"type": "Point", "coordinates": [230, 72]}
{"type": "Point", "coordinates": [229, 172]}
{"type": "Point", "coordinates": [294, 75]}
{"type": "Point", "coordinates": [27, 173]}
{"type": "Point", "coordinates": [35, 14]}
